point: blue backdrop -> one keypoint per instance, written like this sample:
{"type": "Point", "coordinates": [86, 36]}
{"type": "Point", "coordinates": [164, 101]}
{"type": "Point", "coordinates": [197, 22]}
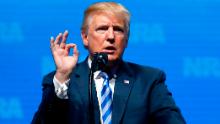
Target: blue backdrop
{"type": "Point", "coordinates": [180, 37]}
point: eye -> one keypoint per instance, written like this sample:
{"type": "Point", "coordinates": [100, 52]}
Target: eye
{"type": "Point", "coordinates": [102, 29]}
{"type": "Point", "coordinates": [118, 29]}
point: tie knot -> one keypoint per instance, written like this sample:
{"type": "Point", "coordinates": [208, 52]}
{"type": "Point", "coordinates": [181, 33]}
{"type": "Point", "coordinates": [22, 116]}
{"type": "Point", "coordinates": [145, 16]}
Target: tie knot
{"type": "Point", "coordinates": [104, 75]}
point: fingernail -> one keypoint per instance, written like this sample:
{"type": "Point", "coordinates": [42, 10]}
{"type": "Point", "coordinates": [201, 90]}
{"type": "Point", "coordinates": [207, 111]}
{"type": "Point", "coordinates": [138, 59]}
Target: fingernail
{"type": "Point", "coordinates": [60, 33]}
{"type": "Point", "coordinates": [51, 38]}
{"type": "Point", "coordinates": [66, 31]}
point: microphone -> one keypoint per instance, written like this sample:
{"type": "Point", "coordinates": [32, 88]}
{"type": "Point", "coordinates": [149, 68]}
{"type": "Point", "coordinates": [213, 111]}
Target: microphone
{"type": "Point", "coordinates": [99, 61]}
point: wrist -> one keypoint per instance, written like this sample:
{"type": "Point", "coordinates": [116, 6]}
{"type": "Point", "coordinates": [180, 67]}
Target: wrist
{"type": "Point", "coordinates": [62, 77]}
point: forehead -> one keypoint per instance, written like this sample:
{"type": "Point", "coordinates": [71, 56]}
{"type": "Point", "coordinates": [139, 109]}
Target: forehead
{"type": "Point", "coordinates": [106, 19]}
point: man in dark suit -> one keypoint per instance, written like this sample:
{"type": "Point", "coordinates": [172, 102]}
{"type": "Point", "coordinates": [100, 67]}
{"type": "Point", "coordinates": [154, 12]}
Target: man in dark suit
{"type": "Point", "coordinates": [122, 93]}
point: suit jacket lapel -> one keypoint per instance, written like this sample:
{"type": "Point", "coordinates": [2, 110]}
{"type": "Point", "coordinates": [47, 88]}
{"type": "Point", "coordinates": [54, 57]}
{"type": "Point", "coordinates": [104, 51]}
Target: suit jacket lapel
{"type": "Point", "coordinates": [80, 82]}
{"type": "Point", "coordinates": [123, 86]}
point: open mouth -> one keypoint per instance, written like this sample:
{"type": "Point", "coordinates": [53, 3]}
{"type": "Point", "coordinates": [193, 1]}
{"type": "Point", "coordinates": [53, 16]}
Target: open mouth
{"type": "Point", "coordinates": [109, 50]}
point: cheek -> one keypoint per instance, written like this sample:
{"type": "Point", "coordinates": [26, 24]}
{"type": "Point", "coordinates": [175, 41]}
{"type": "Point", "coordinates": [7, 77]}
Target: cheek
{"type": "Point", "coordinates": [95, 43]}
{"type": "Point", "coordinates": [92, 40]}
{"type": "Point", "coordinates": [95, 37]}
{"type": "Point", "coordinates": [121, 44]}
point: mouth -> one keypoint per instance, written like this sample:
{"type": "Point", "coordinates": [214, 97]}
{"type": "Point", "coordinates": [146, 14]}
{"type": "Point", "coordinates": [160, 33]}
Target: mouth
{"type": "Point", "coordinates": [109, 50]}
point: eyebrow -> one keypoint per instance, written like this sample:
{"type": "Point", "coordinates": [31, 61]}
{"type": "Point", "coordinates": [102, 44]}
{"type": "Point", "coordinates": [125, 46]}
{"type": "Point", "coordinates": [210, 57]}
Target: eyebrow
{"type": "Point", "coordinates": [106, 25]}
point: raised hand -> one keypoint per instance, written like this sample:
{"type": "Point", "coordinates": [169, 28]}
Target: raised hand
{"type": "Point", "coordinates": [65, 63]}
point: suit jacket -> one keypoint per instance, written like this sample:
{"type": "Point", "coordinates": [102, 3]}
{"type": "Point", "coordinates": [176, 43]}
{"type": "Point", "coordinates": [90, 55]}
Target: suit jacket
{"type": "Point", "coordinates": [140, 97]}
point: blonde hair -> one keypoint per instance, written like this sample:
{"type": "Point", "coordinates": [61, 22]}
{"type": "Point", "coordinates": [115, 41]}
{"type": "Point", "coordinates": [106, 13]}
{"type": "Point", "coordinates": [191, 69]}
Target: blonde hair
{"type": "Point", "coordinates": [105, 7]}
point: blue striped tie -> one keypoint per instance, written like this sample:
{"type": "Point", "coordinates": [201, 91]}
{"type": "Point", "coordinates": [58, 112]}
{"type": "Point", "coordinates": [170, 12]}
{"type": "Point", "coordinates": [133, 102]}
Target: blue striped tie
{"type": "Point", "coordinates": [106, 100]}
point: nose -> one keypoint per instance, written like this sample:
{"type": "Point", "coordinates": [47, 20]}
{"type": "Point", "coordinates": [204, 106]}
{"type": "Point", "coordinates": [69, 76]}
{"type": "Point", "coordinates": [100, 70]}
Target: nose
{"type": "Point", "coordinates": [110, 35]}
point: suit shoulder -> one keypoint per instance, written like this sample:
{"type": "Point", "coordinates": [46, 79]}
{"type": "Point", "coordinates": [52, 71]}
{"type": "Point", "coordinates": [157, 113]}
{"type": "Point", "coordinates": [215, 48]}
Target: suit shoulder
{"type": "Point", "coordinates": [144, 68]}
{"type": "Point", "coordinates": [147, 71]}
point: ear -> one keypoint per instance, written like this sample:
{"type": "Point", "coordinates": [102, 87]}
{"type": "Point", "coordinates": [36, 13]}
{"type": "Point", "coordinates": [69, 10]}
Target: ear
{"type": "Point", "coordinates": [126, 44]}
{"type": "Point", "coordinates": [84, 37]}
{"type": "Point", "coordinates": [127, 34]}
{"type": "Point", "coordinates": [126, 40]}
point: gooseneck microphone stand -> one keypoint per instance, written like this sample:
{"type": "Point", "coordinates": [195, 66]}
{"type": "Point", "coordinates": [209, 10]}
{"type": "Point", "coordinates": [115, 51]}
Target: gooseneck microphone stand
{"type": "Point", "coordinates": [99, 62]}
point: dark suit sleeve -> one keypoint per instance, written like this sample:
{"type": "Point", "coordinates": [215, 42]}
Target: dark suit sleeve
{"type": "Point", "coordinates": [162, 106]}
{"type": "Point", "coordinates": [51, 109]}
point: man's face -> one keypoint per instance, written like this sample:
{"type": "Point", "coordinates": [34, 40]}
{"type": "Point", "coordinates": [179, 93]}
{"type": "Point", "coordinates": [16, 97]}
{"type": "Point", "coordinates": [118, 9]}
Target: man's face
{"type": "Point", "coordinates": [106, 33]}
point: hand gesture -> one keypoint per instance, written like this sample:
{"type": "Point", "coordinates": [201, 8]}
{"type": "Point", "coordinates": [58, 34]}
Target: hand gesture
{"type": "Point", "coordinates": [65, 63]}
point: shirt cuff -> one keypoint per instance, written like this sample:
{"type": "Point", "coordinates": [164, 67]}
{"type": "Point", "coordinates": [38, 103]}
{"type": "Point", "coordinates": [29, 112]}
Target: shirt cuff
{"type": "Point", "coordinates": [61, 88]}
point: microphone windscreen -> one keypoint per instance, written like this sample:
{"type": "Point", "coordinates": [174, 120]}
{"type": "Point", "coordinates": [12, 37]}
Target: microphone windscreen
{"type": "Point", "coordinates": [99, 61]}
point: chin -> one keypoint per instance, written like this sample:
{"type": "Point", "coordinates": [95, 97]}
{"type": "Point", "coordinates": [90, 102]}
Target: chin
{"type": "Point", "coordinates": [112, 58]}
